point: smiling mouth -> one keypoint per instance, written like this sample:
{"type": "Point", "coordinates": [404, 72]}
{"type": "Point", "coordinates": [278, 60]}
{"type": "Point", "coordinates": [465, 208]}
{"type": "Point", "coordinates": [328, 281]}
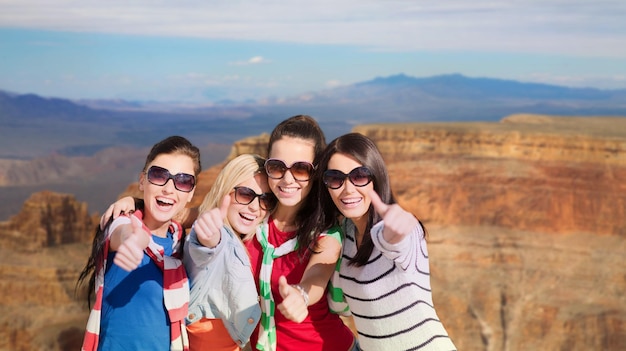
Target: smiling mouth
{"type": "Point", "coordinates": [164, 202]}
{"type": "Point", "coordinates": [290, 190]}
{"type": "Point", "coordinates": [351, 202]}
{"type": "Point", "coordinates": [247, 217]}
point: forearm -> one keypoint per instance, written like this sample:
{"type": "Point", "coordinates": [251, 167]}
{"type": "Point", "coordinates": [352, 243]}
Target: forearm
{"type": "Point", "coordinates": [315, 280]}
{"type": "Point", "coordinates": [320, 268]}
{"type": "Point", "coordinates": [198, 254]}
{"type": "Point", "coordinates": [402, 252]}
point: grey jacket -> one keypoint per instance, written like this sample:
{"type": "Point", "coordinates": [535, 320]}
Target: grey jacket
{"type": "Point", "coordinates": [222, 285]}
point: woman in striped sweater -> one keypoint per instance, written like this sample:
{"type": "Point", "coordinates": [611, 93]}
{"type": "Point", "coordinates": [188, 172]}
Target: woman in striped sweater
{"type": "Point", "coordinates": [384, 271]}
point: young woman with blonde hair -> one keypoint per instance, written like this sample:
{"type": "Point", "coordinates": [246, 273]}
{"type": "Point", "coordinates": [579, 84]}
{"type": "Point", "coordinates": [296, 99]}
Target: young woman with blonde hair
{"type": "Point", "coordinates": [224, 308]}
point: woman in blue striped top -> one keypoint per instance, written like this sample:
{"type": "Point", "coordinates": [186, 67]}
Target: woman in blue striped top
{"type": "Point", "coordinates": [384, 272]}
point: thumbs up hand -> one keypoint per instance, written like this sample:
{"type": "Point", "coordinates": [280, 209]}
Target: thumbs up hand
{"type": "Point", "coordinates": [398, 222]}
{"type": "Point", "coordinates": [293, 306]}
{"type": "Point", "coordinates": [209, 224]}
{"type": "Point", "coordinates": [130, 252]}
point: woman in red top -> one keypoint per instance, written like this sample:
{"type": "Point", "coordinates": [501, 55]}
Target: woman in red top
{"type": "Point", "coordinates": [292, 262]}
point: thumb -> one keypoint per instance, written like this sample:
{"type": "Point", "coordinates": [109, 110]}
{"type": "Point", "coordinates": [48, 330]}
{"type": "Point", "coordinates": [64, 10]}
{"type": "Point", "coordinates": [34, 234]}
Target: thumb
{"type": "Point", "coordinates": [137, 224]}
{"type": "Point", "coordinates": [139, 231]}
{"type": "Point", "coordinates": [283, 286]}
{"type": "Point", "coordinates": [379, 206]}
{"type": "Point", "coordinates": [224, 205]}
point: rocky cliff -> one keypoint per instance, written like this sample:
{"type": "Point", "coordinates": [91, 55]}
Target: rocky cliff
{"type": "Point", "coordinates": [46, 220]}
{"type": "Point", "coordinates": [527, 235]}
{"type": "Point", "coordinates": [535, 173]}
{"type": "Point", "coordinates": [42, 250]}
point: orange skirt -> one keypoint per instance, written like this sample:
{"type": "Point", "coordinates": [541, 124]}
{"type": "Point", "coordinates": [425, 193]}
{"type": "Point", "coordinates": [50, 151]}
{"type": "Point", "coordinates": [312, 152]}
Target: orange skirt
{"type": "Point", "coordinates": [210, 335]}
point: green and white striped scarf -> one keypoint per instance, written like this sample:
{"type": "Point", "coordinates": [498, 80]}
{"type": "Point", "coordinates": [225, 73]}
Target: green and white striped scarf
{"type": "Point", "coordinates": [336, 301]}
{"type": "Point", "coordinates": [267, 330]}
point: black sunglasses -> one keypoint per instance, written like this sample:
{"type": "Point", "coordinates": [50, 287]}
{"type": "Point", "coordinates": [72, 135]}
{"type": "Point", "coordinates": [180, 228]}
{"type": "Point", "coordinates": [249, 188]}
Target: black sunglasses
{"type": "Point", "coordinates": [160, 176]}
{"type": "Point", "coordinates": [300, 170]}
{"type": "Point", "coordinates": [245, 195]}
{"type": "Point", "coordinates": [360, 176]}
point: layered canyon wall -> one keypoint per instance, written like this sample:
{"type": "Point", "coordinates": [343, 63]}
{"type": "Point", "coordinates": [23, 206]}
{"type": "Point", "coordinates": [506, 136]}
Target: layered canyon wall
{"type": "Point", "coordinates": [535, 173]}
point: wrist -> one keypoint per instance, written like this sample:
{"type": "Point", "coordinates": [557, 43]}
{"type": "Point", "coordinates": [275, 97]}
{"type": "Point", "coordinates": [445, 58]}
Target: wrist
{"type": "Point", "coordinates": [305, 295]}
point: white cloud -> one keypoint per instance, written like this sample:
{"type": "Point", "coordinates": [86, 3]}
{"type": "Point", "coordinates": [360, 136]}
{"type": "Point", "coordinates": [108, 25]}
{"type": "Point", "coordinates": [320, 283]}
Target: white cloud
{"type": "Point", "coordinates": [255, 60]}
{"type": "Point", "coordinates": [251, 61]}
{"type": "Point", "coordinates": [333, 83]}
{"type": "Point", "coordinates": [573, 27]}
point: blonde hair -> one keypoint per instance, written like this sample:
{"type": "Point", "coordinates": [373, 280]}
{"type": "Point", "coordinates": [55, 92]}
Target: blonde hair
{"type": "Point", "coordinates": [236, 171]}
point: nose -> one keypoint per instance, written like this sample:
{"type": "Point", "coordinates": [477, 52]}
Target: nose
{"type": "Point", "coordinates": [169, 187]}
{"type": "Point", "coordinates": [255, 204]}
{"type": "Point", "coordinates": [291, 177]}
{"type": "Point", "coordinates": [348, 186]}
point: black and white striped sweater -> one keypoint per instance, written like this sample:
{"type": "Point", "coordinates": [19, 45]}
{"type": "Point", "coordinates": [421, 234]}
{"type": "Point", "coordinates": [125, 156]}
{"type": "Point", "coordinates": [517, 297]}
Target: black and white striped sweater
{"type": "Point", "coordinates": [390, 297]}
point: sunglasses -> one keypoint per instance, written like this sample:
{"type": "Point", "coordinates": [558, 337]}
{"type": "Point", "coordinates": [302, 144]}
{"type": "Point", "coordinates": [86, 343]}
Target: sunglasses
{"type": "Point", "coordinates": [245, 195]}
{"type": "Point", "coordinates": [160, 176]}
{"type": "Point", "coordinates": [360, 176]}
{"type": "Point", "coordinates": [300, 170]}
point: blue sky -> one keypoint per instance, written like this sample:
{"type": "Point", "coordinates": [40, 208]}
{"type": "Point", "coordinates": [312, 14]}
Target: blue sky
{"type": "Point", "coordinates": [201, 51]}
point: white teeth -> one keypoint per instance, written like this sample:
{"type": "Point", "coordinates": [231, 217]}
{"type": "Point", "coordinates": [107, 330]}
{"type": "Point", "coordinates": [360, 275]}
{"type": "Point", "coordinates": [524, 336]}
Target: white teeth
{"type": "Point", "coordinates": [350, 201]}
{"type": "Point", "coordinates": [166, 201]}
{"type": "Point", "coordinates": [247, 217]}
{"type": "Point", "coordinates": [288, 190]}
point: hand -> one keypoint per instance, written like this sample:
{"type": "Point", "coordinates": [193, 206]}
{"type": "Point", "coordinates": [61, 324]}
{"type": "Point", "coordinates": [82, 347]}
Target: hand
{"type": "Point", "coordinates": [130, 252]}
{"type": "Point", "coordinates": [123, 205]}
{"type": "Point", "coordinates": [398, 222]}
{"type": "Point", "coordinates": [293, 306]}
{"type": "Point", "coordinates": [209, 224]}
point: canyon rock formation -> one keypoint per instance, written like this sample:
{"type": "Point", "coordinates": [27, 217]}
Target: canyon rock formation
{"type": "Point", "coordinates": [526, 221]}
{"type": "Point", "coordinates": [47, 220]}
{"type": "Point", "coordinates": [42, 250]}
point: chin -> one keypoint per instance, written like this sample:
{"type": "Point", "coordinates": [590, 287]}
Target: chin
{"type": "Point", "coordinates": [290, 201]}
{"type": "Point", "coordinates": [243, 229]}
{"type": "Point", "coordinates": [353, 212]}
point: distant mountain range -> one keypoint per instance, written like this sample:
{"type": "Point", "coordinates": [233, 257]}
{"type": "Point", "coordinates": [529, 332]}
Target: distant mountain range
{"type": "Point", "coordinates": [33, 126]}
{"type": "Point", "coordinates": [66, 146]}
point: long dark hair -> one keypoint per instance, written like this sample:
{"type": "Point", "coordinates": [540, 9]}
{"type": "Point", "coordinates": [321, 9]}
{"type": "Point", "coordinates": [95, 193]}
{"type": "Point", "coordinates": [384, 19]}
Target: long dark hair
{"type": "Point", "coordinates": [364, 151]}
{"type": "Point", "coordinates": [93, 262]}
{"type": "Point", "coordinates": [170, 145]}
{"type": "Point", "coordinates": [303, 127]}
{"type": "Point", "coordinates": [96, 258]}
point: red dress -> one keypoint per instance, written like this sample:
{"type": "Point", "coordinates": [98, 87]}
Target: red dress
{"type": "Point", "coordinates": [321, 330]}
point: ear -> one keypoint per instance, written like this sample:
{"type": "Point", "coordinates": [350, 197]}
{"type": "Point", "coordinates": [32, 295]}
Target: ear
{"type": "Point", "coordinates": [191, 194]}
{"type": "Point", "coordinates": [142, 179]}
